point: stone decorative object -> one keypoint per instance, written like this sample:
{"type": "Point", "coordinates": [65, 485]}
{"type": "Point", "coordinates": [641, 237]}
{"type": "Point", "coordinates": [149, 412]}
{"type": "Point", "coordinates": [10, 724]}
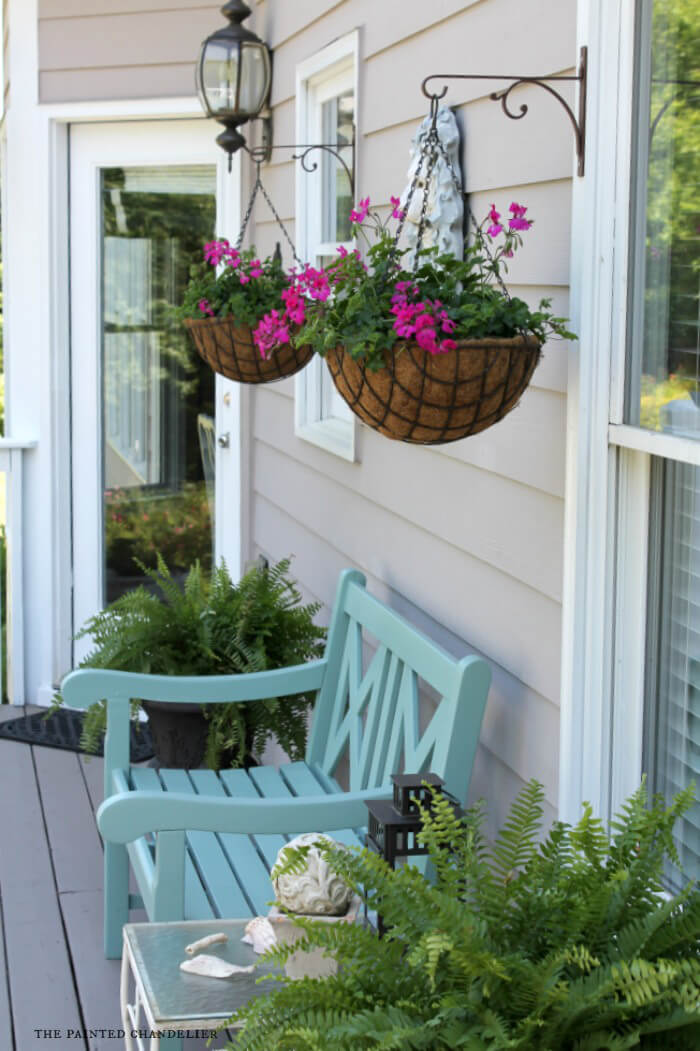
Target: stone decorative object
{"type": "Point", "coordinates": [260, 934]}
{"type": "Point", "coordinates": [213, 967]}
{"type": "Point", "coordinates": [444, 216]}
{"type": "Point", "coordinates": [316, 963]}
{"type": "Point", "coordinates": [317, 891]}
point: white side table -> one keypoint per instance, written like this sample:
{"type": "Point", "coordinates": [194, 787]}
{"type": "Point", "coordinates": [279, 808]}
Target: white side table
{"type": "Point", "coordinates": [168, 1002]}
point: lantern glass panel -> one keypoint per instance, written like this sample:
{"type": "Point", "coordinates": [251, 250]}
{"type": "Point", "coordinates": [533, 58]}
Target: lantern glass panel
{"type": "Point", "coordinates": [218, 77]}
{"type": "Point", "coordinates": [255, 78]}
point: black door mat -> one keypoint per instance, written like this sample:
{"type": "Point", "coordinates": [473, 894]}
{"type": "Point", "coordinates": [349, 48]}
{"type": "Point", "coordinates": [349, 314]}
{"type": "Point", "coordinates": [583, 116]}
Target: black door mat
{"type": "Point", "coordinates": [62, 729]}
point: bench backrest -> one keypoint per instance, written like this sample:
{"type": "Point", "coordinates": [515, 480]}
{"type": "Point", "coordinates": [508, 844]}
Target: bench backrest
{"type": "Point", "coordinates": [369, 711]}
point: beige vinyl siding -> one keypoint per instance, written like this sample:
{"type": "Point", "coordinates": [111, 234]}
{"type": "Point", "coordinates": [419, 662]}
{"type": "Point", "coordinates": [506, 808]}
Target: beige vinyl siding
{"type": "Point", "coordinates": [466, 540]}
{"type": "Point", "coordinates": [111, 49]}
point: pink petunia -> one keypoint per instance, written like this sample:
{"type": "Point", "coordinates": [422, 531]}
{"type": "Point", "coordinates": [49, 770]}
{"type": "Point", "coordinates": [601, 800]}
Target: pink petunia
{"type": "Point", "coordinates": [519, 224]}
{"type": "Point", "coordinates": [205, 307]}
{"type": "Point", "coordinates": [495, 229]}
{"type": "Point", "coordinates": [518, 210]}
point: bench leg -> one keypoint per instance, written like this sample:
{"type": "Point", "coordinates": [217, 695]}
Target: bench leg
{"type": "Point", "coordinates": [170, 1043]}
{"type": "Point", "coordinates": [116, 897]}
{"type": "Point", "coordinates": [169, 886]}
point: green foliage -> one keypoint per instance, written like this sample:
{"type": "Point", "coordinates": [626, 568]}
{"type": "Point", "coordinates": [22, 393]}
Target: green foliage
{"type": "Point", "coordinates": [212, 626]}
{"type": "Point", "coordinates": [562, 944]}
{"type": "Point", "coordinates": [225, 294]}
{"type": "Point", "coordinates": [140, 525]}
{"type": "Point", "coordinates": [358, 315]}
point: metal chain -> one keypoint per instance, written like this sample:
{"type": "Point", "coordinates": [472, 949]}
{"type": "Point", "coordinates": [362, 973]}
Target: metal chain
{"type": "Point", "coordinates": [249, 210]}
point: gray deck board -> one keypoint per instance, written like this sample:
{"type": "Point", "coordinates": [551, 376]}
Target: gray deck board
{"type": "Point", "coordinates": [73, 836]}
{"type": "Point", "coordinates": [51, 903]}
{"type": "Point", "coordinates": [5, 1012]}
{"type": "Point", "coordinates": [41, 984]}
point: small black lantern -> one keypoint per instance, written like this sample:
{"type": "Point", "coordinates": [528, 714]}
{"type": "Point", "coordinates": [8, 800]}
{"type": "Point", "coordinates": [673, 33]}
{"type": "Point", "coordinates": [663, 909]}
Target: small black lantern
{"type": "Point", "coordinates": [393, 827]}
{"type": "Point", "coordinates": [233, 75]}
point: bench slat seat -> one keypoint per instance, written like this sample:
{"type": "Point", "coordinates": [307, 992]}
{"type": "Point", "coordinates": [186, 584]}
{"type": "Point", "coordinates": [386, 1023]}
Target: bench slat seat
{"type": "Point", "coordinates": [228, 874]}
{"type": "Point", "coordinates": [202, 844]}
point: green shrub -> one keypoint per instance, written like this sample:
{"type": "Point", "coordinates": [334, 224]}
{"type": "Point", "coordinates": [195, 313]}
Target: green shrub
{"type": "Point", "coordinates": [569, 944]}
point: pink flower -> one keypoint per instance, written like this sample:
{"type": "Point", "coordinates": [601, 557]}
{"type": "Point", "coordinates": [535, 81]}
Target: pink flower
{"type": "Point", "coordinates": [360, 214]}
{"type": "Point", "coordinates": [270, 333]}
{"type": "Point", "coordinates": [205, 307]}
{"type": "Point", "coordinates": [518, 210]}
{"type": "Point", "coordinates": [426, 340]}
{"type": "Point", "coordinates": [495, 229]}
{"type": "Point", "coordinates": [519, 224]}
{"type": "Point", "coordinates": [244, 279]}
{"type": "Point", "coordinates": [215, 251]}
{"type": "Point", "coordinates": [343, 251]}
{"type": "Point", "coordinates": [397, 213]}
{"type": "Point", "coordinates": [447, 344]}
{"type": "Point", "coordinates": [494, 216]}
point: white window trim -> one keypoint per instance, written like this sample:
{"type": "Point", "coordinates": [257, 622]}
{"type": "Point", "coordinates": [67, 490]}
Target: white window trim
{"type": "Point", "coordinates": [608, 462]}
{"type": "Point", "coordinates": [599, 294]}
{"type": "Point", "coordinates": [334, 435]}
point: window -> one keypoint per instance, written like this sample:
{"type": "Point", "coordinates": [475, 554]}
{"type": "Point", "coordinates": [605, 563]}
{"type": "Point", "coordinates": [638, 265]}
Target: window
{"type": "Point", "coordinates": [326, 108]}
{"type": "Point", "coordinates": [631, 681]}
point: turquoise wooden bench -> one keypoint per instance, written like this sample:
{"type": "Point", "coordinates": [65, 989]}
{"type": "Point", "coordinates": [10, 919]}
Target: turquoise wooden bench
{"type": "Point", "coordinates": [201, 844]}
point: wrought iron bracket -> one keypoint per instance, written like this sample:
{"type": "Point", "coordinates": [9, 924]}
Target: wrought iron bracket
{"type": "Point", "coordinates": [578, 123]}
{"type": "Point", "coordinates": [262, 154]}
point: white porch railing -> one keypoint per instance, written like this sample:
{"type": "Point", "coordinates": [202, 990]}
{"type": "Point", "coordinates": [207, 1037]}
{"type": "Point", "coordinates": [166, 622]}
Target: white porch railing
{"type": "Point", "coordinates": [11, 465]}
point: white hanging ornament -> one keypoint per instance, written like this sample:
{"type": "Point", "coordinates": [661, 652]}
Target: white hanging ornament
{"type": "Point", "coordinates": [444, 213]}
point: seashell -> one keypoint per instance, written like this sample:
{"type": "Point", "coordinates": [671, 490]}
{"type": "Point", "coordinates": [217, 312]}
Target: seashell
{"type": "Point", "coordinates": [213, 967]}
{"type": "Point", "coordinates": [204, 943]}
{"type": "Point", "coordinates": [260, 934]}
{"type": "Point", "coordinates": [318, 891]}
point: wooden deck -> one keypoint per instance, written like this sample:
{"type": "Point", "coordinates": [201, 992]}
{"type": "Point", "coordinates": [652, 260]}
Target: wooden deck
{"type": "Point", "coordinates": [55, 984]}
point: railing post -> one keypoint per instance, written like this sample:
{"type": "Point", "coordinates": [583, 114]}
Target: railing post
{"type": "Point", "coordinates": [12, 465]}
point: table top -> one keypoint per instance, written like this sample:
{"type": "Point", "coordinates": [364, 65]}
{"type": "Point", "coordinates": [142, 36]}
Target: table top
{"type": "Point", "coordinates": [158, 949]}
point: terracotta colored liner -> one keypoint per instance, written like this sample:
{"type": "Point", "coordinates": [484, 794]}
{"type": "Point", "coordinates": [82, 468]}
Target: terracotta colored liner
{"type": "Point", "coordinates": [432, 399]}
{"type": "Point", "coordinates": [229, 349]}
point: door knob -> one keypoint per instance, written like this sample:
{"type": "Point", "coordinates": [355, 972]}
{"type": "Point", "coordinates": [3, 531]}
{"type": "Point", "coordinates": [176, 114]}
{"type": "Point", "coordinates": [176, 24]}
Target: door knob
{"type": "Point", "coordinates": [224, 440]}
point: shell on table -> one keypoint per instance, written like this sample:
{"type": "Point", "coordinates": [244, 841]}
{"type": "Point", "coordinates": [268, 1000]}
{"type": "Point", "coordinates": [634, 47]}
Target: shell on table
{"type": "Point", "coordinates": [213, 967]}
{"type": "Point", "coordinates": [260, 934]}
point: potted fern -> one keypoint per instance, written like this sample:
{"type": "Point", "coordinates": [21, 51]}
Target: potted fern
{"type": "Point", "coordinates": [209, 626]}
{"type": "Point", "coordinates": [564, 944]}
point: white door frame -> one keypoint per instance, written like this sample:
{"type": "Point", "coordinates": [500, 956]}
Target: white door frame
{"type": "Point", "coordinates": [37, 341]}
{"type": "Point", "coordinates": [117, 144]}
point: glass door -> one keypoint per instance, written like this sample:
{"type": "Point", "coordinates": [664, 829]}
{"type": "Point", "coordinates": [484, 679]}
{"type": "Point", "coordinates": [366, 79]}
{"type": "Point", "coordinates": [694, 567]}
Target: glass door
{"type": "Point", "coordinates": [146, 410]}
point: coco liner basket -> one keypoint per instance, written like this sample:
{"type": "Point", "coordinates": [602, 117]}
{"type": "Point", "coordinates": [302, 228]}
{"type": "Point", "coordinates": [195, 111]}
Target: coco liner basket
{"type": "Point", "coordinates": [433, 399]}
{"type": "Point", "coordinates": [229, 349]}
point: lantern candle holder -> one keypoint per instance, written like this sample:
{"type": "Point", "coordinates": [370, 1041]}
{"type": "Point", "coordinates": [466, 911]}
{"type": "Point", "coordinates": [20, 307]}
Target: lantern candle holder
{"type": "Point", "coordinates": [393, 826]}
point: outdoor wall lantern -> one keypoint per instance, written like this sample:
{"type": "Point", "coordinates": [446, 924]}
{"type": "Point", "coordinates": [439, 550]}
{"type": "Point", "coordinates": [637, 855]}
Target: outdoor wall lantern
{"type": "Point", "coordinates": [393, 827]}
{"type": "Point", "coordinates": [233, 75]}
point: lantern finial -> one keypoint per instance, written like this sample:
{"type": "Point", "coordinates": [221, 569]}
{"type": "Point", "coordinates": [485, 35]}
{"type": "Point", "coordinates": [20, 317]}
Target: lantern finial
{"type": "Point", "coordinates": [235, 11]}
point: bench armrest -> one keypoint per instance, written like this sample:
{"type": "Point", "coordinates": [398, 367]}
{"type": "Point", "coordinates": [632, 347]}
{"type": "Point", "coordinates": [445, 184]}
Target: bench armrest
{"type": "Point", "coordinates": [85, 686]}
{"type": "Point", "coordinates": [126, 817]}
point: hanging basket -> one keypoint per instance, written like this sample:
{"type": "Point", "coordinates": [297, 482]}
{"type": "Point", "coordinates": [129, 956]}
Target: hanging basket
{"type": "Point", "coordinates": [433, 399]}
{"type": "Point", "coordinates": [229, 349]}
